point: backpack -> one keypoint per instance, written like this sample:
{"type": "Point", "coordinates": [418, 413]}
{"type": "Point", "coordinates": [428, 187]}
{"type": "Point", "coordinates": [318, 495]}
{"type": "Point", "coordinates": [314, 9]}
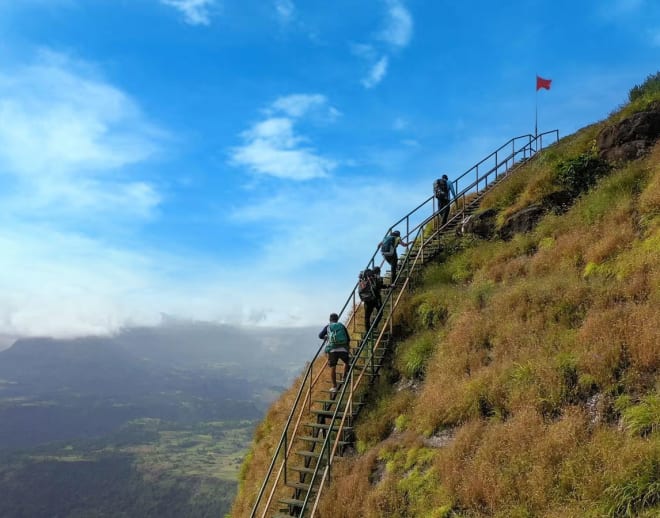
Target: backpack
{"type": "Point", "coordinates": [441, 188]}
{"type": "Point", "coordinates": [337, 336]}
{"type": "Point", "coordinates": [387, 247]}
{"type": "Point", "coordinates": [366, 288]}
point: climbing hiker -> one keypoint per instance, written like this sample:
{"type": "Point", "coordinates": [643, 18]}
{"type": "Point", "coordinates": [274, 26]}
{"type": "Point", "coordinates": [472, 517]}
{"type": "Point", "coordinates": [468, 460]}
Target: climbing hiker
{"type": "Point", "coordinates": [336, 347]}
{"type": "Point", "coordinates": [369, 285]}
{"type": "Point", "coordinates": [442, 188]}
{"type": "Point", "coordinates": [388, 248]}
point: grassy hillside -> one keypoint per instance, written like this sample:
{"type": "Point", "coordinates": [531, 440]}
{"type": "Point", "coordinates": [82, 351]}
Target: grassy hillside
{"type": "Point", "coordinates": [525, 382]}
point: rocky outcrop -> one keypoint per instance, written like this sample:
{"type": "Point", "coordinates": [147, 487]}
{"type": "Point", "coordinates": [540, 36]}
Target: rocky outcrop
{"type": "Point", "coordinates": [630, 138]}
{"type": "Point", "coordinates": [481, 224]}
{"type": "Point", "coordinates": [558, 201]}
{"type": "Point", "coordinates": [522, 221]}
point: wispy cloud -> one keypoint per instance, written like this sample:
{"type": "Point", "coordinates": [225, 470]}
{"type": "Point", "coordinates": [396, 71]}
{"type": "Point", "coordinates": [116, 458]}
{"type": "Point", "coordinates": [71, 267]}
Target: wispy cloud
{"type": "Point", "coordinates": [377, 73]}
{"type": "Point", "coordinates": [399, 25]}
{"type": "Point", "coordinates": [298, 105]}
{"type": "Point", "coordinates": [195, 12]}
{"type": "Point", "coordinates": [285, 9]}
{"type": "Point", "coordinates": [66, 135]}
{"type": "Point", "coordinates": [68, 140]}
{"type": "Point", "coordinates": [392, 37]}
{"type": "Point", "coordinates": [613, 9]}
{"type": "Point", "coordinates": [272, 147]}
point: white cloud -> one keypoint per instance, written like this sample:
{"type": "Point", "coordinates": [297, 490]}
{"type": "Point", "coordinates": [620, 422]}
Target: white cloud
{"type": "Point", "coordinates": [62, 284]}
{"type": "Point", "coordinates": [298, 105]}
{"type": "Point", "coordinates": [272, 147]}
{"type": "Point", "coordinates": [395, 35]}
{"type": "Point", "coordinates": [65, 136]}
{"type": "Point", "coordinates": [376, 73]}
{"type": "Point", "coordinates": [285, 9]}
{"type": "Point", "coordinates": [399, 26]}
{"type": "Point", "coordinates": [321, 223]}
{"type": "Point", "coordinates": [195, 12]}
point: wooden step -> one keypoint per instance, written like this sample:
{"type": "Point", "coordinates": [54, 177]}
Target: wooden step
{"type": "Point", "coordinates": [327, 426]}
{"type": "Point", "coordinates": [308, 454]}
{"type": "Point", "coordinates": [320, 440]}
{"type": "Point", "coordinates": [327, 413]}
{"type": "Point", "coordinates": [302, 486]}
{"type": "Point", "coordinates": [302, 469]}
{"type": "Point", "coordinates": [292, 502]}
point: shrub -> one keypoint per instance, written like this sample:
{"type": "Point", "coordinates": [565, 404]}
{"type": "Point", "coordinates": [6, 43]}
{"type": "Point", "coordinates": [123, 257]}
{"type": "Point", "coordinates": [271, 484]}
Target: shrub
{"type": "Point", "coordinates": [650, 87]}
{"type": "Point", "coordinates": [578, 174]}
{"type": "Point", "coordinates": [644, 418]}
{"type": "Point", "coordinates": [414, 353]}
{"type": "Point", "coordinates": [642, 491]}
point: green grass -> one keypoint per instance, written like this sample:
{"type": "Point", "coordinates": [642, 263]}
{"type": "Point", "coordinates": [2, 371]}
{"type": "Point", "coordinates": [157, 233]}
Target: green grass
{"type": "Point", "coordinates": [538, 357]}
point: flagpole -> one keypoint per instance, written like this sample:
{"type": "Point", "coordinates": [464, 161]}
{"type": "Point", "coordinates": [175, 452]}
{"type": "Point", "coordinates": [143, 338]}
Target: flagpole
{"type": "Point", "coordinates": [536, 111]}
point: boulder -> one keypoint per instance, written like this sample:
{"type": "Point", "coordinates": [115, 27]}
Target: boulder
{"type": "Point", "coordinates": [522, 221]}
{"type": "Point", "coordinates": [558, 201]}
{"type": "Point", "coordinates": [481, 224]}
{"type": "Point", "coordinates": [630, 138]}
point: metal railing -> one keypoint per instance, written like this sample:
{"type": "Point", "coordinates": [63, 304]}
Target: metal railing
{"type": "Point", "coordinates": [469, 188]}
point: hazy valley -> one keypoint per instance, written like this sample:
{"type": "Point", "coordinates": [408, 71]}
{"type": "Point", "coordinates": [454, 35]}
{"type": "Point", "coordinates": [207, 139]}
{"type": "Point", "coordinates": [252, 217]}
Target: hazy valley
{"type": "Point", "coordinates": [150, 422]}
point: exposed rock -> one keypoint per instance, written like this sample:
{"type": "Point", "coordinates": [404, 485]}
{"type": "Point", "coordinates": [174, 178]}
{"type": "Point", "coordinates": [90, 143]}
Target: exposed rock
{"type": "Point", "coordinates": [378, 472]}
{"type": "Point", "coordinates": [481, 224]}
{"type": "Point", "coordinates": [558, 201]}
{"type": "Point", "coordinates": [594, 409]}
{"type": "Point", "coordinates": [522, 221]}
{"type": "Point", "coordinates": [440, 439]}
{"type": "Point", "coordinates": [630, 138]}
{"type": "Point", "coordinates": [407, 384]}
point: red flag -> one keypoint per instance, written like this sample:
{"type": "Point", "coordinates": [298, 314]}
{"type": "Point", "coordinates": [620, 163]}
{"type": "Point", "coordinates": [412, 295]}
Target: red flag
{"type": "Point", "coordinates": [542, 83]}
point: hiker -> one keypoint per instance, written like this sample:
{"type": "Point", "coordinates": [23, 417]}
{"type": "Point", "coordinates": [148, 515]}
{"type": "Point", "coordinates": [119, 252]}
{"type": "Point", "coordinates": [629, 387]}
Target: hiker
{"type": "Point", "coordinates": [388, 248]}
{"type": "Point", "coordinates": [369, 287]}
{"type": "Point", "coordinates": [442, 187]}
{"type": "Point", "coordinates": [338, 343]}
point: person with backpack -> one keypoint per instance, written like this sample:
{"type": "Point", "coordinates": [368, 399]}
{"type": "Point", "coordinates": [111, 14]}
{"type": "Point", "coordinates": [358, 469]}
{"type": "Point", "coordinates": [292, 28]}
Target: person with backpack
{"type": "Point", "coordinates": [442, 188]}
{"type": "Point", "coordinates": [337, 345]}
{"type": "Point", "coordinates": [388, 248]}
{"type": "Point", "coordinates": [369, 285]}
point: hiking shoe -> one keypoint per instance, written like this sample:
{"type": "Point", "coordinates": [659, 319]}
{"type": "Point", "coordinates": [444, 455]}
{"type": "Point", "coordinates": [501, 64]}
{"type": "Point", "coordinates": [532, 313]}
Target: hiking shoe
{"type": "Point", "coordinates": [333, 390]}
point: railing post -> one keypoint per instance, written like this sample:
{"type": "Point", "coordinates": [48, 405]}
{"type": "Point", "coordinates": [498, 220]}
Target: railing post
{"type": "Point", "coordinates": [350, 394]}
{"type": "Point", "coordinates": [286, 434]}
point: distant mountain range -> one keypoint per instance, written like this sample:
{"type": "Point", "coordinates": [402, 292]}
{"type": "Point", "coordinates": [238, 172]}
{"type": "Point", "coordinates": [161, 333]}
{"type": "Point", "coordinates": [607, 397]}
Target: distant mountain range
{"type": "Point", "coordinates": [144, 358]}
{"type": "Point", "coordinates": [53, 389]}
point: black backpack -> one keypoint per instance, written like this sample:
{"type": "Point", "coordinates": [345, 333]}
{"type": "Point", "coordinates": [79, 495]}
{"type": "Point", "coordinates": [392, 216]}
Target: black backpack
{"type": "Point", "coordinates": [387, 247]}
{"type": "Point", "coordinates": [366, 286]}
{"type": "Point", "coordinates": [441, 188]}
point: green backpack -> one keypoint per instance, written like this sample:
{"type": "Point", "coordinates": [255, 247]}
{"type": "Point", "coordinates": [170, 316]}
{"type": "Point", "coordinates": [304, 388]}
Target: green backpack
{"type": "Point", "coordinates": [337, 336]}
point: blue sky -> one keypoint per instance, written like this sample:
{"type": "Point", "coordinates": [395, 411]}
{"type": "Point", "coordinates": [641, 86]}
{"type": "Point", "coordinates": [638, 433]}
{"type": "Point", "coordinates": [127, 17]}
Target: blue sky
{"type": "Point", "coordinates": [238, 160]}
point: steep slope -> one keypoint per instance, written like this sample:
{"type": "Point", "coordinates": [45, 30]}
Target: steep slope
{"type": "Point", "coordinates": [525, 382]}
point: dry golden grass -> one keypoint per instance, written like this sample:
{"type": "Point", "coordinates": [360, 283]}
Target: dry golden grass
{"type": "Point", "coordinates": [620, 339]}
{"type": "Point", "coordinates": [649, 201]}
{"type": "Point", "coordinates": [526, 465]}
{"type": "Point", "coordinates": [535, 344]}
